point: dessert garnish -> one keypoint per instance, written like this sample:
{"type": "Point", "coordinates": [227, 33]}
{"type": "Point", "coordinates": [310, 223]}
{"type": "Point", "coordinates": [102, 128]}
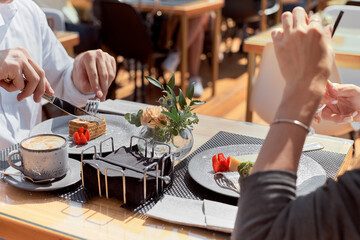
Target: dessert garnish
{"type": "Point", "coordinates": [81, 137]}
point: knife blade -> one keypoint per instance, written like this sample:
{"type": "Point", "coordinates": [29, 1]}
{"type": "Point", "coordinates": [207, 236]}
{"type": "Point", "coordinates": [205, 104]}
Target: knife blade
{"type": "Point", "coordinates": [71, 109]}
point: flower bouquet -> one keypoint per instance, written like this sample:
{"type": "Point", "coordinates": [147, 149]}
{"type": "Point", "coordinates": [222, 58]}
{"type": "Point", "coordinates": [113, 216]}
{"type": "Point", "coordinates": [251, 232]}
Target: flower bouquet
{"type": "Point", "coordinates": [170, 123]}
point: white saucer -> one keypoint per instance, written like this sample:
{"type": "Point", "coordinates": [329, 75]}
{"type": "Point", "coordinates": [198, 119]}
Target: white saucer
{"type": "Point", "coordinates": [72, 176]}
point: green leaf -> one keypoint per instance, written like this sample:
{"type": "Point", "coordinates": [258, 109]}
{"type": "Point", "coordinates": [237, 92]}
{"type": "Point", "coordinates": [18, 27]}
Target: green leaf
{"type": "Point", "coordinates": [185, 115]}
{"type": "Point", "coordinates": [127, 116]}
{"type": "Point", "coordinates": [175, 112]}
{"type": "Point", "coordinates": [174, 132]}
{"type": "Point", "coordinates": [140, 113]}
{"type": "Point", "coordinates": [172, 116]}
{"type": "Point", "coordinates": [244, 168]}
{"type": "Point", "coordinates": [163, 122]}
{"type": "Point", "coordinates": [154, 82]}
{"type": "Point", "coordinates": [173, 97]}
{"type": "Point", "coordinates": [190, 92]}
{"type": "Point", "coordinates": [171, 82]}
{"type": "Point", "coordinates": [182, 100]}
{"type": "Point", "coordinates": [196, 102]}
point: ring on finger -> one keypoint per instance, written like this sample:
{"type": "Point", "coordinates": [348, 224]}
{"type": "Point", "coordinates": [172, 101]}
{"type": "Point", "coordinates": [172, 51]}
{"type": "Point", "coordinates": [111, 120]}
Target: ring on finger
{"type": "Point", "coordinates": [315, 20]}
{"type": "Point", "coordinates": [8, 80]}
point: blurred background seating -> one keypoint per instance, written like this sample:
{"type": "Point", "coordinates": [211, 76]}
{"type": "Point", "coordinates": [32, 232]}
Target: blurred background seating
{"type": "Point", "coordinates": [124, 33]}
{"type": "Point", "coordinates": [88, 31]}
{"type": "Point", "coordinates": [146, 56]}
{"type": "Point", "coordinates": [55, 18]}
{"type": "Point", "coordinates": [248, 14]}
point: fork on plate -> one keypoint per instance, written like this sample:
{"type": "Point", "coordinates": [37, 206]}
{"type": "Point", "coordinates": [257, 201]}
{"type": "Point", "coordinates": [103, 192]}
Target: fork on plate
{"type": "Point", "coordinates": [92, 106]}
{"type": "Point", "coordinates": [228, 180]}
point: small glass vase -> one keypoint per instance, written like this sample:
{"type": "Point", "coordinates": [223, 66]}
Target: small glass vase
{"type": "Point", "coordinates": [180, 145]}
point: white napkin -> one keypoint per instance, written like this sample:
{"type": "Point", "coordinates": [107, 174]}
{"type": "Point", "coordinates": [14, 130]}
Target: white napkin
{"type": "Point", "coordinates": [120, 106]}
{"type": "Point", "coordinates": [205, 214]}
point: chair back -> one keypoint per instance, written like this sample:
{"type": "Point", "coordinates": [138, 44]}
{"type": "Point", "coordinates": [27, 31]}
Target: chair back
{"type": "Point", "coordinates": [55, 18]}
{"type": "Point", "coordinates": [350, 19]}
{"type": "Point", "coordinates": [123, 31]}
{"type": "Point", "coordinates": [268, 90]}
{"type": "Point", "coordinates": [239, 10]}
{"type": "Point", "coordinates": [353, 2]}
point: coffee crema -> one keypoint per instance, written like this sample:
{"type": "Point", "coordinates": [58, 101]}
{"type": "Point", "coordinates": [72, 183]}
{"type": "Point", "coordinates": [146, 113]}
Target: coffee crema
{"type": "Point", "coordinates": [43, 142]}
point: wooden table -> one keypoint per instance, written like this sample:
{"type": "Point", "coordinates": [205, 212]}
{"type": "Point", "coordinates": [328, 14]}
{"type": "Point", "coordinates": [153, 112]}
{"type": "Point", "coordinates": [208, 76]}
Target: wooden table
{"type": "Point", "coordinates": [184, 11]}
{"type": "Point", "coordinates": [69, 40]}
{"type": "Point", "coordinates": [45, 216]}
{"type": "Point", "coordinates": [345, 43]}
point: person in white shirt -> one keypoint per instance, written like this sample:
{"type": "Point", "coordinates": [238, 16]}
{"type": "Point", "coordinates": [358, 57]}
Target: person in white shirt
{"type": "Point", "coordinates": [35, 62]}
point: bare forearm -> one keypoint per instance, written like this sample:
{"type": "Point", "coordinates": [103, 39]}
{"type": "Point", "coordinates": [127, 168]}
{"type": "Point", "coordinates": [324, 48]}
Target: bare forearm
{"type": "Point", "coordinates": [282, 147]}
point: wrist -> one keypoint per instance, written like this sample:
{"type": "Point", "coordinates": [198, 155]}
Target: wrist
{"type": "Point", "coordinates": [299, 104]}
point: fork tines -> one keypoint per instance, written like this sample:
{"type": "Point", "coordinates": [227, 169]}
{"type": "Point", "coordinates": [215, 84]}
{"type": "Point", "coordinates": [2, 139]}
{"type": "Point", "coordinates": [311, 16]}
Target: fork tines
{"type": "Point", "coordinates": [92, 106]}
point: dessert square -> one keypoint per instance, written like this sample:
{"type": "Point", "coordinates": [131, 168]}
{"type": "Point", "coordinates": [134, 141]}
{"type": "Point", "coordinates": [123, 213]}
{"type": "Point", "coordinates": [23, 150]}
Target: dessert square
{"type": "Point", "coordinates": [95, 129]}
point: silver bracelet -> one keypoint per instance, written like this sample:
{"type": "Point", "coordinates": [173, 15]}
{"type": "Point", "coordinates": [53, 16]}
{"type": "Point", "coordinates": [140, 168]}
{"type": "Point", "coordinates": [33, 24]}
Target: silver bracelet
{"type": "Point", "coordinates": [309, 130]}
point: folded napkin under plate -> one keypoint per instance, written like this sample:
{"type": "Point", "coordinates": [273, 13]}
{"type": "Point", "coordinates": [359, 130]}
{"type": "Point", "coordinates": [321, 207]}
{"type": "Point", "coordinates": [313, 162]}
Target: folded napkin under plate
{"type": "Point", "coordinates": [198, 213]}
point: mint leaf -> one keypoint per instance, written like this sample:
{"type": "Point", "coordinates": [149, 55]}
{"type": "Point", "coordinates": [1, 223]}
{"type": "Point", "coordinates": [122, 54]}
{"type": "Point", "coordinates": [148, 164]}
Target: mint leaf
{"type": "Point", "coordinates": [182, 100]}
{"type": "Point", "coordinates": [190, 92]}
{"type": "Point", "coordinates": [173, 96]}
{"type": "Point", "coordinates": [196, 102]}
{"type": "Point", "coordinates": [154, 82]}
{"type": "Point", "coordinates": [171, 82]}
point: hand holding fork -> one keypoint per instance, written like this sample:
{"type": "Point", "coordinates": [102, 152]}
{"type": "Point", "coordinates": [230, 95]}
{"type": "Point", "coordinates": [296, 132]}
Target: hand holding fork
{"type": "Point", "coordinates": [341, 103]}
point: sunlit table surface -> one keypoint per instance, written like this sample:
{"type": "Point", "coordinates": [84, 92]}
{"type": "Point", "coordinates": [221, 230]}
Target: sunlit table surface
{"type": "Point", "coordinates": [31, 215]}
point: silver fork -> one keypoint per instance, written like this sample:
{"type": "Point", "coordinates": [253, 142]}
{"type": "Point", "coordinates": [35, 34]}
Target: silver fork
{"type": "Point", "coordinates": [92, 106]}
{"type": "Point", "coordinates": [226, 182]}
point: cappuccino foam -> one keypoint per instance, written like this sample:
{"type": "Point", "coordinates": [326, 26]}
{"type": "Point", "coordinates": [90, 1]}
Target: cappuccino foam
{"type": "Point", "coordinates": [44, 142]}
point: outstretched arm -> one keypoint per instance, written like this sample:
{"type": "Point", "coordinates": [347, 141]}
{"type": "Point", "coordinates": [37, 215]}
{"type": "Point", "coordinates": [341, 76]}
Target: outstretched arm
{"type": "Point", "coordinates": [267, 209]}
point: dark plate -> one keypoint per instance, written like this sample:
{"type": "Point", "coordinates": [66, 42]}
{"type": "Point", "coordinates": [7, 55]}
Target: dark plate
{"type": "Point", "coordinates": [310, 174]}
{"type": "Point", "coordinates": [72, 176]}
{"type": "Point", "coordinates": [116, 127]}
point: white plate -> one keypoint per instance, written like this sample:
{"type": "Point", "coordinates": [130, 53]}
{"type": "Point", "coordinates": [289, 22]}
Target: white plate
{"type": "Point", "coordinates": [116, 127]}
{"type": "Point", "coordinates": [310, 174]}
{"type": "Point", "coordinates": [72, 176]}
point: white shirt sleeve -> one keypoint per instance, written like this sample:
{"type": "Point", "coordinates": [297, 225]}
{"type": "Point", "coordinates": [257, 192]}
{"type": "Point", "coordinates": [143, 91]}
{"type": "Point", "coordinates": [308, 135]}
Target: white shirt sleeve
{"type": "Point", "coordinates": [58, 66]}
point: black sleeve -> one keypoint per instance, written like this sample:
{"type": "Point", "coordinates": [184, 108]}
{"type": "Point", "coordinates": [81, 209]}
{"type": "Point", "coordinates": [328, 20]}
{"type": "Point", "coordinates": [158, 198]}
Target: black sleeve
{"type": "Point", "coordinates": [269, 209]}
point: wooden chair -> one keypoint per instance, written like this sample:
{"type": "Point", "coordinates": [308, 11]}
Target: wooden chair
{"type": "Point", "coordinates": [250, 12]}
{"type": "Point", "coordinates": [353, 2]}
{"type": "Point", "coordinates": [123, 32]}
{"type": "Point", "coordinates": [55, 18]}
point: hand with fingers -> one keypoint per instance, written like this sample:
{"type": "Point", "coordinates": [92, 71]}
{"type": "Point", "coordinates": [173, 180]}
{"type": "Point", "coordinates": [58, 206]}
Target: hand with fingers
{"type": "Point", "coordinates": [93, 73]}
{"type": "Point", "coordinates": [303, 50]}
{"type": "Point", "coordinates": [342, 103]}
{"type": "Point", "coordinates": [19, 72]}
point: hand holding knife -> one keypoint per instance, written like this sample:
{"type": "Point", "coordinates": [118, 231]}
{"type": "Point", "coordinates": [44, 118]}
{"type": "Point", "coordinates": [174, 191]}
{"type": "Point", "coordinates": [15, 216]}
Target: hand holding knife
{"type": "Point", "coordinates": [71, 109]}
{"type": "Point", "coordinates": [67, 107]}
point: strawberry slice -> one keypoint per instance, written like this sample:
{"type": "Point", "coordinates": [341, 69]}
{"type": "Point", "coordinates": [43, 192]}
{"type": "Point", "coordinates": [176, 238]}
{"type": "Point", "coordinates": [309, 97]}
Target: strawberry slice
{"type": "Point", "coordinates": [76, 137]}
{"type": "Point", "coordinates": [82, 140]}
{"type": "Point", "coordinates": [220, 163]}
{"type": "Point", "coordinates": [215, 163]}
{"type": "Point", "coordinates": [81, 130]}
{"type": "Point", "coordinates": [87, 134]}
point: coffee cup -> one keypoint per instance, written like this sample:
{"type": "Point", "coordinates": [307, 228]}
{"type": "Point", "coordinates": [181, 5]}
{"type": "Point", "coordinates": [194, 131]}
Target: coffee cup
{"type": "Point", "coordinates": [42, 157]}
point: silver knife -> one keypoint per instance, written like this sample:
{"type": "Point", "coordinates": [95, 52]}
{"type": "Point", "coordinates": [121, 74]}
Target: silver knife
{"type": "Point", "coordinates": [312, 147]}
{"type": "Point", "coordinates": [71, 109]}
